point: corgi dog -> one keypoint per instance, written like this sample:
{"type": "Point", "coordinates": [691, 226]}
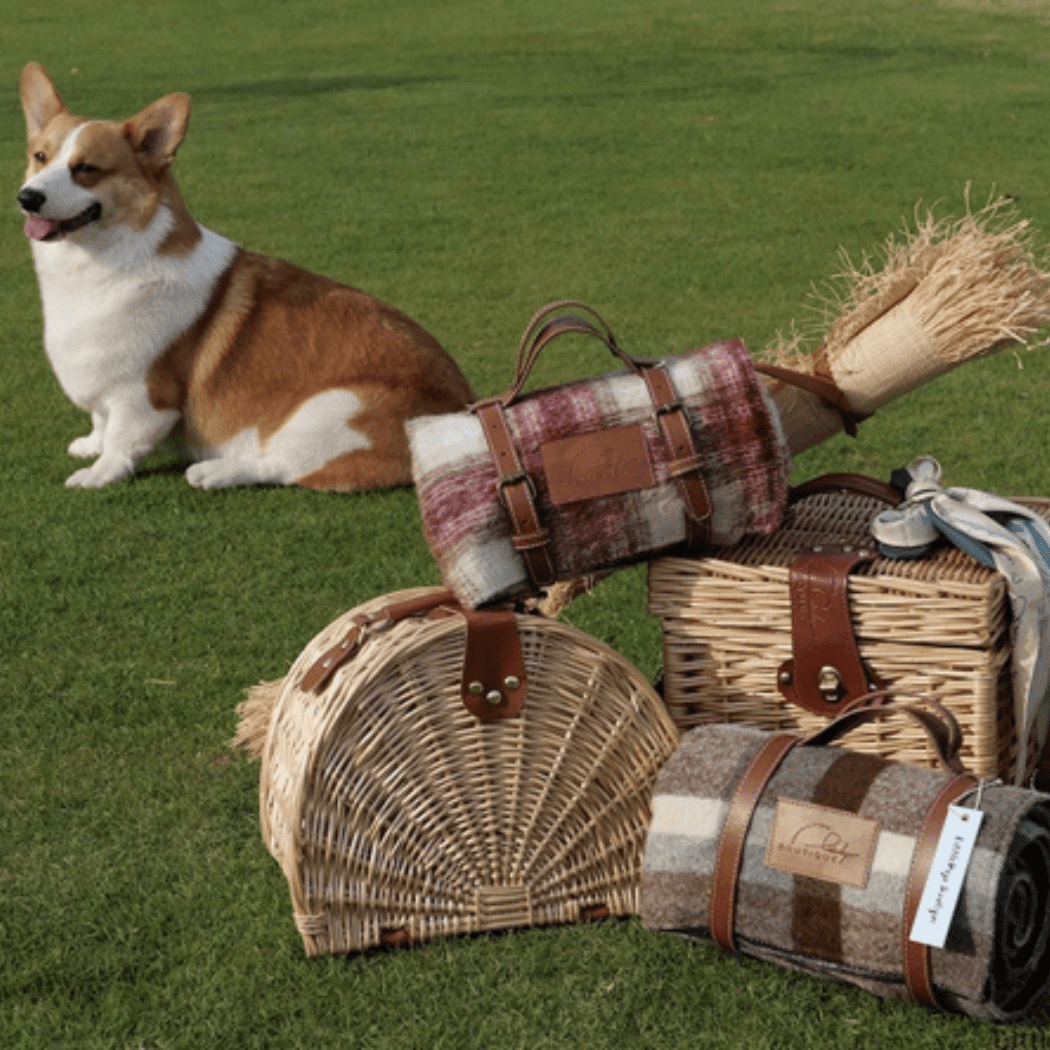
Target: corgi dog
{"type": "Point", "coordinates": [262, 372]}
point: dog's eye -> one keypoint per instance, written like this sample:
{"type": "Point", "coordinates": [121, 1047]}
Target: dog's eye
{"type": "Point", "coordinates": [40, 156]}
{"type": "Point", "coordinates": [85, 169]}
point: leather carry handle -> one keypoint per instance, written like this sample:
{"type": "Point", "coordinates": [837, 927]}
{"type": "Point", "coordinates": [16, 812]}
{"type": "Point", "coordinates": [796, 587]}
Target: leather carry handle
{"type": "Point", "coordinates": [493, 677]}
{"type": "Point", "coordinates": [845, 482]}
{"type": "Point", "coordinates": [543, 329]}
{"type": "Point", "coordinates": [939, 724]}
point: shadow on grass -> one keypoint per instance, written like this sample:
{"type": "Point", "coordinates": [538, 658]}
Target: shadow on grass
{"type": "Point", "coordinates": [300, 86]}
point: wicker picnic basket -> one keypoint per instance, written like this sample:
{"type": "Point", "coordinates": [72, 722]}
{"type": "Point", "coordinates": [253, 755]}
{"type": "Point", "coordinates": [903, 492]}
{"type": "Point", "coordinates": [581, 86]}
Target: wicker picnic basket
{"type": "Point", "coordinates": [398, 815]}
{"type": "Point", "coordinates": [938, 627]}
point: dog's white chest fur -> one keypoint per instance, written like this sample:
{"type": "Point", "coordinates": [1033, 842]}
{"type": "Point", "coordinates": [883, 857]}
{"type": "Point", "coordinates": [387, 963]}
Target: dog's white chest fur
{"type": "Point", "coordinates": [112, 305]}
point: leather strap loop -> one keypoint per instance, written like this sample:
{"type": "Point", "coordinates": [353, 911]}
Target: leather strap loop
{"type": "Point", "coordinates": [517, 494]}
{"type": "Point", "coordinates": [940, 725]}
{"type": "Point", "coordinates": [685, 461]}
{"type": "Point", "coordinates": [734, 833]}
{"type": "Point", "coordinates": [916, 956]}
{"type": "Point", "coordinates": [322, 669]}
{"type": "Point", "coordinates": [854, 484]}
{"type": "Point", "coordinates": [823, 387]}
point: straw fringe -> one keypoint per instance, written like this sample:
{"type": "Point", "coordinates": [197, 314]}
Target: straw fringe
{"type": "Point", "coordinates": [941, 294]}
{"type": "Point", "coordinates": [256, 712]}
{"type": "Point", "coordinates": [976, 284]}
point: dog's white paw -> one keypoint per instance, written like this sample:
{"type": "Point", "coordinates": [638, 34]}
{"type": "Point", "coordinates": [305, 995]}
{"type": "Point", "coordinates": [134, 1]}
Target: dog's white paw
{"type": "Point", "coordinates": [87, 447]}
{"type": "Point", "coordinates": [215, 474]}
{"type": "Point", "coordinates": [103, 471]}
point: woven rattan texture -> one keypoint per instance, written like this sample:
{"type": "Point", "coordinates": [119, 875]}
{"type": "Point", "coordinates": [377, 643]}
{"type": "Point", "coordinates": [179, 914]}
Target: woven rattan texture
{"type": "Point", "coordinates": [938, 626]}
{"type": "Point", "coordinates": [397, 815]}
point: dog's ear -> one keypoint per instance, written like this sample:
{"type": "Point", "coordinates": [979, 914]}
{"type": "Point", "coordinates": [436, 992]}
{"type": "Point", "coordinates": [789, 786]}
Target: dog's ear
{"type": "Point", "coordinates": [157, 132]}
{"type": "Point", "coordinates": [40, 100]}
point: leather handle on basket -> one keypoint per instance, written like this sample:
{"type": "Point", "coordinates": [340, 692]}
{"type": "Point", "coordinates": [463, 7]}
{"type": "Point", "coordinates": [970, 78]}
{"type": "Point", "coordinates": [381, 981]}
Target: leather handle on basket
{"type": "Point", "coordinates": [493, 680]}
{"type": "Point", "coordinates": [543, 328]}
{"type": "Point", "coordinates": [845, 482]}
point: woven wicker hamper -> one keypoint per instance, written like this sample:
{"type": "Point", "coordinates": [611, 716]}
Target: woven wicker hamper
{"type": "Point", "coordinates": [397, 815]}
{"type": "Point", "coordinates": [938, 626]}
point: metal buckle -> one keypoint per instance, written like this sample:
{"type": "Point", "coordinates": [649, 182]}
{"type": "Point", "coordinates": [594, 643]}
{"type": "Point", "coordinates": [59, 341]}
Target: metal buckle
{"type": "Point", "coordinates": [516, 479]}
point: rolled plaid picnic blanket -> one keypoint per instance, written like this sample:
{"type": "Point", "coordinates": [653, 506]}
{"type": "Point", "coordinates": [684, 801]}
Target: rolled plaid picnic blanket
{"type": "Point", "coordinates": [851, 925]}
{"type": "Point", "coordinates": [532, 488]}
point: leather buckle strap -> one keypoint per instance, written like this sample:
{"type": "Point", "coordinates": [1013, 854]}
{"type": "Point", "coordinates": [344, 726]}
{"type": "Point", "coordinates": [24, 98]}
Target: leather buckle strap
{"type": "Point", "coordinates": [734, 833]}
{"type": "Point", "coordinates": [917, 975]}
{"type": "Point", "coordinates": [517, 493]}
{"type": "Point", "coordinates": [825, 673]}
{"type": "Point", "coordinates": [685, 462]}
{"type": "Point", "coordinates": [823, 387]}
{"type": "Point", "coordinates": [322, 669]}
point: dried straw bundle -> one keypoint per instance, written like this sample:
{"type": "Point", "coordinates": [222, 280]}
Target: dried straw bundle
{"type": "Point", "coordinates": [948, 292]}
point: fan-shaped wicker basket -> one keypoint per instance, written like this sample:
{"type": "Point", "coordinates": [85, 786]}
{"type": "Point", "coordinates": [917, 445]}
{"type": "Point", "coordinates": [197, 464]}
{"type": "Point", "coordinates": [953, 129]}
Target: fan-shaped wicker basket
{"type": "Point", "coordinates": [396, 815]}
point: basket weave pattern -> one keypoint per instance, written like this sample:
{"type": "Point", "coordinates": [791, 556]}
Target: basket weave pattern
{"type": "Point", "coordinates": [395, 814]}
{"type": "Point", "coordinates": [938, 627]}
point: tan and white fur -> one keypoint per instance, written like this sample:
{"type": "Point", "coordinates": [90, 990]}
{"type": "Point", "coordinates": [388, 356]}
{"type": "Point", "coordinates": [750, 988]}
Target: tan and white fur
{"type": "Point", "coordinates": [158, 327]}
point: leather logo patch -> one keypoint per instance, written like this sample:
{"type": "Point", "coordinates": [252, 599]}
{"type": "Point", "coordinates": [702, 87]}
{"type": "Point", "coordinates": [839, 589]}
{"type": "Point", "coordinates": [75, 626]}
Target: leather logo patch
{"type": "Point", "coordinates": [604, 463]}
{"type": "Point", "coordinates": [822, 843]}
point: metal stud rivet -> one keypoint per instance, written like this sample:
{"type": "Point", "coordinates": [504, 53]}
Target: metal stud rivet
{"type": "Point", "coordinates": [476, 688]}
{"type": "Point", "coordinates": [494, 697]}
{"type": "Point", "coordinates": [785, 678]}
{"type": "Point", "coordinates": [512, 682]}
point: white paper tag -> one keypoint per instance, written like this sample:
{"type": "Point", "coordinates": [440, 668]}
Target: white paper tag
{"type": "Point", "coordinates": [947, 874]}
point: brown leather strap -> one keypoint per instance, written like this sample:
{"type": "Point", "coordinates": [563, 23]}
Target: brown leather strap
{"type": "Point", "coordinates": [322, 669]}
{"type": "Point", "coordinates": [517, 494]}
{"type": "Point", "coordinates": [939, 724]}
{"type": "Point", "coordinates": [825, 672]}
{"type": "Point", "coordinates": [493, 679]}
{"type": "Point", "coordinates": [854, 484]}
{"type": "Point", "coordinates": [543, 327]}
{"type": "Point", "coordinates": [823, 386]}
{"type": "Point", "coordinates": [685, 462]}
{"type": "Point", "coordinates": [917, 974]}
{"type": "Point", "coordinates": [734, 833]}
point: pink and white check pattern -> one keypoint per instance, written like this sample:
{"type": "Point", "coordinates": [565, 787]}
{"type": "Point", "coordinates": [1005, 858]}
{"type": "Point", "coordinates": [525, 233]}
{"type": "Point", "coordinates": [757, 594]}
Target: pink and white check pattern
{"type": "Point", "coordinates": [736, 430]}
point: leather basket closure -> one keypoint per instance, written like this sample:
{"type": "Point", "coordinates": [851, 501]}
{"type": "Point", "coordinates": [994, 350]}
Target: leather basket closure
{"type": "Point", "coordinates": [825, 673]}
{"type": "Point", "coordinates": [493, 680]}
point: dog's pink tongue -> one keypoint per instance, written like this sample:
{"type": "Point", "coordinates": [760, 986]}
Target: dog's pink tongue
{"type": "Point", "coordinates": [37, 228]}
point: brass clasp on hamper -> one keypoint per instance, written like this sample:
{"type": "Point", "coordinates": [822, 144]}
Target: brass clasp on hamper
{"type": "Point", "coordinates": [825, 673]}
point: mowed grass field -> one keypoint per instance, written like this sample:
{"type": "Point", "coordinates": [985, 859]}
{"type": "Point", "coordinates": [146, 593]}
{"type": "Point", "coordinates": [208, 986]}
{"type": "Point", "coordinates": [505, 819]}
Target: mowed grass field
{"type": "Point", "coordinates": [689, 168]}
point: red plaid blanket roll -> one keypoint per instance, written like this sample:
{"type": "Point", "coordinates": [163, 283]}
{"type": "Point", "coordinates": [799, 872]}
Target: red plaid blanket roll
{"type": "Point", "coordinates": [631, 502]}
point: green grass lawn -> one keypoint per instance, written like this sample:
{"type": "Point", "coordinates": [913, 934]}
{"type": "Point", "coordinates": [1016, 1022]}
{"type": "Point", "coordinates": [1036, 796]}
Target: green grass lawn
{"type": "Point", "coordinates": [689, 167]}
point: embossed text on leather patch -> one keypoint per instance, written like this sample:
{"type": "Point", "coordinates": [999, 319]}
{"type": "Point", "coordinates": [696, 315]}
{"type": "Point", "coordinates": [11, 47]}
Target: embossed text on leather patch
{"type": "Point", "coordinates": [822, 843]}
{"type": "Point", "coordinates": [604, 463]}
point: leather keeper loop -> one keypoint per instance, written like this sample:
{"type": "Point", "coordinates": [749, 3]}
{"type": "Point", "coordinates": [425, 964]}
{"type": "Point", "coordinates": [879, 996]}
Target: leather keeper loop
{"type": "Point", "coordinates": [531, 541]}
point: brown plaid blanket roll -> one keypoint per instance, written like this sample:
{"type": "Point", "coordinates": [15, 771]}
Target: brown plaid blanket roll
{"type": "Point", "coordinates": [995, 962]}
{"type": "Point", "coordinates": [743, 460]}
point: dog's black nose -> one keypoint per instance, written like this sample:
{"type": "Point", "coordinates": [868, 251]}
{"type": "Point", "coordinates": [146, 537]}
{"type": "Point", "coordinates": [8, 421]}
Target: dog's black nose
{"type": "Point", "coordinates": [31, 200]}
